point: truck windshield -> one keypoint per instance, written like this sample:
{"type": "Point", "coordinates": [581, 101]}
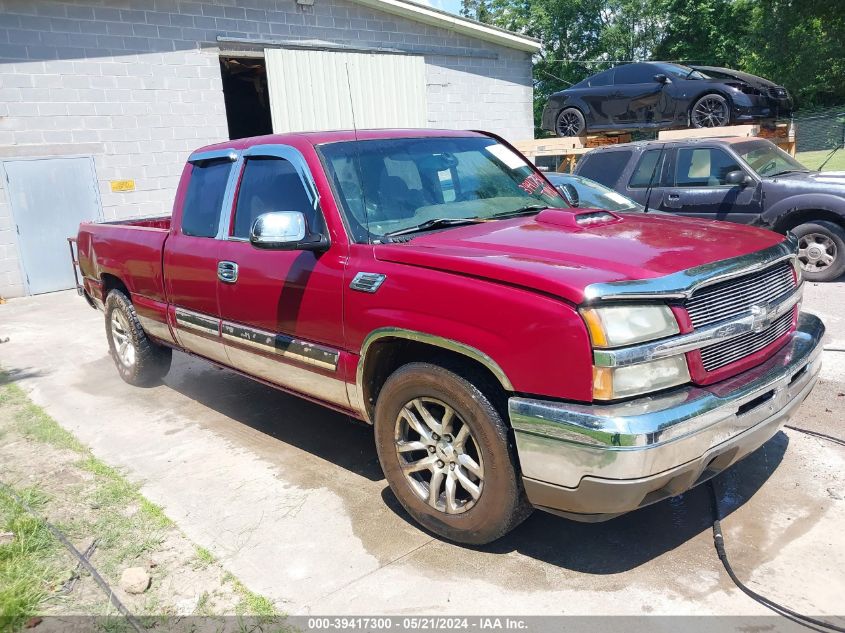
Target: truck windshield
{"type": "Point", "coordinates": [766, 158]}
{"type": "Point", "coordinates": [391, 186]}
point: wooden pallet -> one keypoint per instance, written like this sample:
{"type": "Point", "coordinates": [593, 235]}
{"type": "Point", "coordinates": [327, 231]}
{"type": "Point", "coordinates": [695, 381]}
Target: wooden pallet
{"type": "Point", "coordinates": [781, 134]}
{"type": "Point", "coordinates": [568, 148]}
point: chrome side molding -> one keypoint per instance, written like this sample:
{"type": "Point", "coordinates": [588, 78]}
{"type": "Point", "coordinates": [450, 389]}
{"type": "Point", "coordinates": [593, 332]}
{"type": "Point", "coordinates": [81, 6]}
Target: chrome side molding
{"type": "Point", "coordinates": [282, 345]}
{"type": "Point", "coordinates": [197, 321]}
{"type": "Point", "coordinates": [682, 284]}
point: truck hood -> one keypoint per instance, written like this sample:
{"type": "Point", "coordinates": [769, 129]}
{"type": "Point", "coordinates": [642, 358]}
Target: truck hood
{"type": "Point", "coordinates": [821, 181]}
{"type": "Point", "coordinates": [549, 253]}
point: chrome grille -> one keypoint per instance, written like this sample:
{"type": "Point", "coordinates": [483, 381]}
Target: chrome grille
{"type": "Point", "coordinates": [726, 352]}
{"type": "Point", "coordinates": [778, 93]}
{"type": "Point", "coordinates": [735, 297]}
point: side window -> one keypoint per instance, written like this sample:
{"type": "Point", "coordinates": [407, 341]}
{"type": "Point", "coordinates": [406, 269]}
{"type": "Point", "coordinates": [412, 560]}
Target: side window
{"type": "Point", "coordinates": [647, 170]}
{"type": "Point", "coordinates": [271, 184]}
{"type": "Point", "coordinates": [604, 167]}
{"type": "Point", "coordinates": [602, 79]}
{"type": "Point", "coordinates": [703, 167]}
{"type": "Point", "coordinates": [635, 74]}
{"type": "Point", "coordinates": [204, 198]}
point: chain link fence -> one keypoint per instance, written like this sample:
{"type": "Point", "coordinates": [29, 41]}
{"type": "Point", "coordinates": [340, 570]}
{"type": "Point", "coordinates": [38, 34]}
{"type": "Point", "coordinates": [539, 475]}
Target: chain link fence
{"type": "Point", "coordinates": [820, 138]}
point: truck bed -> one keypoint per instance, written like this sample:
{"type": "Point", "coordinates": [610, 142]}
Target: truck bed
{"type": "Point", "coordinates": [157, 222]}
{"type": "Point", "coordinates": [126, 250]}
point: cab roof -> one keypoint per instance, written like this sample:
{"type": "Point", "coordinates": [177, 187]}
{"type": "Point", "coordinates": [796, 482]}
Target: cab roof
{"type": "Point", "coordinates": [333, 136]}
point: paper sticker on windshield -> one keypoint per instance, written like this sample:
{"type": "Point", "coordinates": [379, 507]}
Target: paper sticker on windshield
{"type": "Point", "coordinates": [509, 158]}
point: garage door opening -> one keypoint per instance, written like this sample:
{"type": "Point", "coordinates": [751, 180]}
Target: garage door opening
{"type": "Point", "coordinates": [246, 97]}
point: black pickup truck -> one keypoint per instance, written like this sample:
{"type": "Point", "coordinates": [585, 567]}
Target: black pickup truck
{"type": "Point", "coordinates": [745, 180]}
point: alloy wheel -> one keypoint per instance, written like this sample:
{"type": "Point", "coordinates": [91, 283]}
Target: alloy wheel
{"type": "Point", "coordinates": [122, 341]}
{"type": "Point", "coordinates": [816, 252]}
{"type": "Point", "coordinates": [439, 456]}
{"type": "Point", "coordinates": [710, 112]}
{"type": "Point", "coordinates": [568, 124]}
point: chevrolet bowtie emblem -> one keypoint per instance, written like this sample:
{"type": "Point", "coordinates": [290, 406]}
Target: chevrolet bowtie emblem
{"type": "Point", "coordinates": [762, 316]}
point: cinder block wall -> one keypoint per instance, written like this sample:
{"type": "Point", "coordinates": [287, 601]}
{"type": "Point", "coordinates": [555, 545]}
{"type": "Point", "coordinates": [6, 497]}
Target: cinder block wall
{"type": "Point", "coordinates": [136, 84]}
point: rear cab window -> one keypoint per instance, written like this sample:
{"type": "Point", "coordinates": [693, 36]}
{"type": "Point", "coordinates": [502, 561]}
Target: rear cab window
{"type": "Point", "coordinates": [204, 198]}
{"type": "Point", "coordinates": [604, 167]}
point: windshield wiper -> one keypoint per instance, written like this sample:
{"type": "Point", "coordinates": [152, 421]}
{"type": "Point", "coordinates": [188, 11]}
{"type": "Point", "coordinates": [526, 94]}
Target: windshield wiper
{"type": "Point", "coordinates": [436, 223]}
{"type": "Point", "coordinates": [787, 171]}
{"type": "Point", "coordinates": [528, 209]}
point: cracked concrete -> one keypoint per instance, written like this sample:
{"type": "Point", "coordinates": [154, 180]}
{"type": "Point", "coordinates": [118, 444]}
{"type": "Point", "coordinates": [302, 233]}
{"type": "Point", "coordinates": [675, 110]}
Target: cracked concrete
{"type": "Point", "coordinates": [290, 498]}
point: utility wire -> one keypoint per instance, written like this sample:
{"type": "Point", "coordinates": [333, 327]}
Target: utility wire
{"type": "Point", "coordinates": [133, 622]}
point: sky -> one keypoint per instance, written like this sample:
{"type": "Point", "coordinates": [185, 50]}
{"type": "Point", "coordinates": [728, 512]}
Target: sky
{"type": "Point", "coordinates": [453, 6]}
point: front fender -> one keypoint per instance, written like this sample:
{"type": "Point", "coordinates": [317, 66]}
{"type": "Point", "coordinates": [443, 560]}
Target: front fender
{"type": "Point", "coordinates": [777, 215]}
{"type": "Point", "coordinates": [532, 343]}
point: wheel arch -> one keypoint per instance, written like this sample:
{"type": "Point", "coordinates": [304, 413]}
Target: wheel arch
{"type": "Point", "coordinates": [386, 349]}
{"type": "Point", "coordinates": [796, 217]}
{"type": "Point", "coordinates": [113, 282]}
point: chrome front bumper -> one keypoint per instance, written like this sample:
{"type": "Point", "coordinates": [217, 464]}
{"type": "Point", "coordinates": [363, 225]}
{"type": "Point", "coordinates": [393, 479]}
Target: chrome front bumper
{"type": "Point", "coordinates": [593, 462]}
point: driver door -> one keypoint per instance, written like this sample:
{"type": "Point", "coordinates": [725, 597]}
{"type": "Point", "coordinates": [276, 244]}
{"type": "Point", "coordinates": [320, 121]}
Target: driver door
{"type": "Point", "coordinates": [281, 310]}
{"type": "Point", "coordinates": [699, 187]}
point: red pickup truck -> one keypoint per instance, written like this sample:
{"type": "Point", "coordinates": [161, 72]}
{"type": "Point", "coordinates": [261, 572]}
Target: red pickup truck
{"type": "Point", "coordinates": [510, 351]}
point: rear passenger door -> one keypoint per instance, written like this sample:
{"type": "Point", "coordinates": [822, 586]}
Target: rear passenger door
{"type": "Point", "coordinates": [648, 178]}
{"type": "Point", "coordinates": [281, 311]}
{"type": "Point", "coordinates": [190, 256]}
{"type": "Point", "coordinates": [698, 186]}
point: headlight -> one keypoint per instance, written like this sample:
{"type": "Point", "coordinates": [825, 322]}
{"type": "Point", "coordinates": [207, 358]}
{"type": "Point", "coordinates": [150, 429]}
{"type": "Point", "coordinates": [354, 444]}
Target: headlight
{"type": "Point", "coordinates": [610, 383]}
{"type": "Point", "coordinates": [613, 326]}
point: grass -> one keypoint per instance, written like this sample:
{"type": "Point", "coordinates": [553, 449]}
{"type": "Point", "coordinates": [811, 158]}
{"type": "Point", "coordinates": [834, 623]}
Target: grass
{"type": "Point", "coordinates": [32, 421]}
{"type": "Point", "coordinates": [812, 160]}
{"type": "Point", "coordinates": [31, 563]}
{"type": "Point", "coordinates": [205, 557]}
{"type": "Point", "coordinates": [250, 603]}
{"type": "Point", "coordinates": [96, 500]}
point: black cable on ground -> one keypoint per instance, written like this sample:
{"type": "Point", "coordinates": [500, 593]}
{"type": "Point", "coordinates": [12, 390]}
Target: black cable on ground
{"type": "Point", "coordinates": [719, 543]}
{"type": "Point", "coordinates": [829, 438]}
{"type": "Point", "coordinates": [133, 622]}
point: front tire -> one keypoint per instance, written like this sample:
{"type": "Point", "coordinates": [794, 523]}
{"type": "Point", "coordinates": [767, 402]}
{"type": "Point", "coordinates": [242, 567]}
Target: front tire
{"type": "Point", "coordinates": [821, 250]}
{"type": "Point", "coordinates": [139, 361]}
{"type": "Point", "coordinates": [446, 454]}
{"type": "Point", "coordinates": [570, 122]}
{"type": "Point", "coordinates": [711, 110]}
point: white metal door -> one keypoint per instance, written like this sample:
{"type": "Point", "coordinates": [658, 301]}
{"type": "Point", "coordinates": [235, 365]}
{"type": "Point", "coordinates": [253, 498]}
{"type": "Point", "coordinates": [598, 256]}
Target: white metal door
{"type": "Point", "coordinates": [49, 198]}
{"type": "Point", "coordinates": [323, 90]}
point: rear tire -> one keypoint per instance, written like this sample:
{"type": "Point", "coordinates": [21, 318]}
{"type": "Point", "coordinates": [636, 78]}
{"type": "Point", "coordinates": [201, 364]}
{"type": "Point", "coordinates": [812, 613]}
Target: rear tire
{"type": "Point", "coordinates": [570, 122]}
{"type": "Point", "coordinates": [821, 250]}
{"type": "Point", "coordinates": [139, 360]}
{"type": "Point", "coordinates": [446, 454]}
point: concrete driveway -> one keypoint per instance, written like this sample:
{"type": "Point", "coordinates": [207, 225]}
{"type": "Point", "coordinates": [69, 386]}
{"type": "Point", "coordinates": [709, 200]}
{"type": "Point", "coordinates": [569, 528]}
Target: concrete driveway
{"type": "Point", "coordinates": [290, 497]}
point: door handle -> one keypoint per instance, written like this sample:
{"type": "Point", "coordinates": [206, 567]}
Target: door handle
{"type": "Point", "coordinates": [227, 272]}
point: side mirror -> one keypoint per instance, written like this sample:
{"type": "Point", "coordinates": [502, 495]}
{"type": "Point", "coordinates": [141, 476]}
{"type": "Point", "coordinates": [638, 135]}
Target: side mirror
{"type": "Point", "coordinates": [661, 78]}
{"type": "Point", "coordinates": [738, 177]}
{"type": "Point", "coordinates": [569, 193]}
{"type": "Point", "coordinates": [285, 231]}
